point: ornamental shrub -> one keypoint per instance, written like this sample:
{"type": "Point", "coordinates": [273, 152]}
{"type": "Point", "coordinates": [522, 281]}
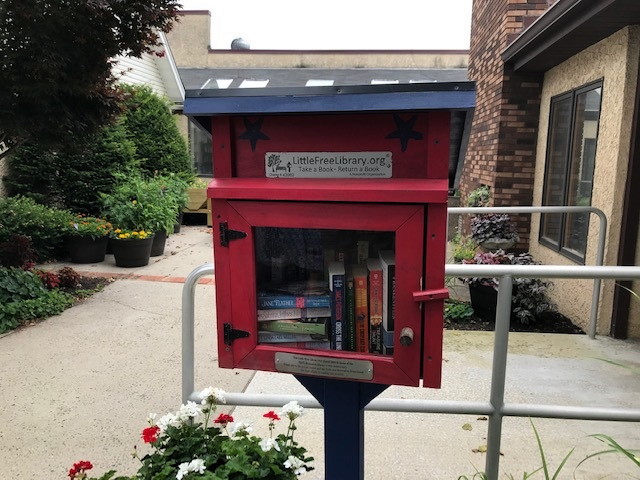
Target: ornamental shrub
{"type": "Point", "coordinates": [23, 297]}
{"type": "Point", "coordinates": [73, 177]}
{"type": "Point", "coordinates": [52, 302]}
{"type": "Point", "coordinates": [139, 204]}
{"type": "Point", "coordinates": [160, 147]}
{"type": "Point", "coordinates": [45, 226]}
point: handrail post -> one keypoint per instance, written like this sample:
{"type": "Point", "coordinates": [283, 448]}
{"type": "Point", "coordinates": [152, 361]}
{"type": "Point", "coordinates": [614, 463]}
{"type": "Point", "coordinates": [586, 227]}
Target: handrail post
{"type": "Point", "coordinates": [188, 328]}
{"type": "Point", "coordinates": [498, 375]}
{"type": "Point", "coordinates": [595, 297]}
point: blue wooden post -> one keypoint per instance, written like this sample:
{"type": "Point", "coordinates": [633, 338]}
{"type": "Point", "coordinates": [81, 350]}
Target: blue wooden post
{"type": "Point", "coordinates": [343, 402]}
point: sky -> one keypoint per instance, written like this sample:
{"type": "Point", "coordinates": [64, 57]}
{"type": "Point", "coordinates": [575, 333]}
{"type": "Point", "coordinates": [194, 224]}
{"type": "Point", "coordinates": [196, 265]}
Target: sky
{"type": "Point", "coordinates": [339, 24]}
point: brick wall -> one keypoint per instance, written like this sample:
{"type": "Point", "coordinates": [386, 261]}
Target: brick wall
{"type": "Point", "coordinates": [502, 146]}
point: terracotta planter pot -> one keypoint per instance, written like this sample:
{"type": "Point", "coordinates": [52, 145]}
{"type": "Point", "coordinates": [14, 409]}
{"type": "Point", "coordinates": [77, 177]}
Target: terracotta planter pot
{"type": "Point", "coordinates": [87, 249]}
{"type": "Point", "coordinates": [159, 241]}
{"type": "Point", "coordinates": [132, 252]}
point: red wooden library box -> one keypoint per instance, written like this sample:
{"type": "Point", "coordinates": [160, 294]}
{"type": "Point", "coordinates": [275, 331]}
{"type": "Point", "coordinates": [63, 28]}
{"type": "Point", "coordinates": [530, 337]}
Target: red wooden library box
{"type": "Point", "coordinates": [329, 223]}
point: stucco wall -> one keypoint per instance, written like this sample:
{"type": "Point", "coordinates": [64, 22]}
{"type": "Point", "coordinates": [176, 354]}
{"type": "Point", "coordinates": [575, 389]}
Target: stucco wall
{"type": "Point", "coordinates": [615, 60]}
{"type": "Point", "coordinates": [189, 41]}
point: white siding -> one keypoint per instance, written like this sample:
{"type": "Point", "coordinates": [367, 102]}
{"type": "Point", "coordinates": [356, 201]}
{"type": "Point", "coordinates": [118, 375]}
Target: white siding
{"type": "Point", "coordinates": [140, 71]}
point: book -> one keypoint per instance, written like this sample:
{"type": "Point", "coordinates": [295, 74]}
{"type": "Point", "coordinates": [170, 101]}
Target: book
{"type": "Point", "coordinates": [349, 325]}
{"type": "Point", "coordinates": [361, 308]}
{"type": "Point", "coordinates": [280, 337]}
{"type": "Point", "coordinates": [318, 327]}
{"type": "Point", "coordinates": [336, 285]}
{"type": "Point", "coordinates": [388, 261]}
{"type": "Point", "coordinates": [292, 313]}
{"type": "Point", "coordinates": [362, 251]}
{"type": "Point", "coordinates": [268, 300]}
{"type": "Point", "coordinates": [313, 345]}
{"type": "Point", "coordinates": [374, 267]}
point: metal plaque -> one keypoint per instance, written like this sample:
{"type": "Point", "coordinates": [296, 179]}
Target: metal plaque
{"type": "Point", "coordinates": [328, 164]}
{"type": "Point", "coordinates": [324, 366]}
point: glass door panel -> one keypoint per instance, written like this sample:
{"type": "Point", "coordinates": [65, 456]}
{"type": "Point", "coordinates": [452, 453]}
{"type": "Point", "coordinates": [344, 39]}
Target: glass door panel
{"type": "Point", "coordinates": [325, 289]}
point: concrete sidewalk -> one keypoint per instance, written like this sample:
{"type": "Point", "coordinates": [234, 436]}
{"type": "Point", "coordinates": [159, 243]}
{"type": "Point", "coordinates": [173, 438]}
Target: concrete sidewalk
{"type": "Point", "coordinates": [80, 386]}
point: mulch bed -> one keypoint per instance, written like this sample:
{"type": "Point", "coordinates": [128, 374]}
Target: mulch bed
{"type": "Point", "coordinates": [550, 322]}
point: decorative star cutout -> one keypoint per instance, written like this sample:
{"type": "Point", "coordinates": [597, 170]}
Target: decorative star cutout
{"type": "Point", "coordinates": [404, 131]}
{"type": "Point", "coordinates": [253, 133]}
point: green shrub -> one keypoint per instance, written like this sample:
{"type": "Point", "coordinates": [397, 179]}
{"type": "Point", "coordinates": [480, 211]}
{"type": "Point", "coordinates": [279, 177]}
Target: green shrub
{"type": "Point", "coordinates": [464, 248]}
{"type": "Point", "coordinates": [456, 311]}
{"type": "Point", "coordinates": [45, 226]}
{"type": "Point", "coordinates": [72, 178]}
{"type": "Point", "coordinates": [52, 302]}
{"type": "Point", "coordinates": [17, 285]}
{"type": "Point", "coordinates": [139, 204]}
{"type": "Point", "coordinates": [150, 125]}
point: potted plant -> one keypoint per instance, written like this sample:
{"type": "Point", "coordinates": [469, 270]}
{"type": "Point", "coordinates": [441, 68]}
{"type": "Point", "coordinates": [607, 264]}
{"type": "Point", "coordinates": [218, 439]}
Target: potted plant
{"type": "Point", "coordinates": [529, 298]}
{"type": "Point", "coordinates": [494, 231]}
{"type": "Point", "coordinates": [138, 204]}
{"type": "Point", "coordinates": [176, 188]}
{"type": "Point", "coordinates": [87, 239]}
{"type": "Point", "coordinates": [182, 446]}
{"type": "Point", "coordinates": [131, 248]}
{"type": "Point", "coordinates": [490, 231]}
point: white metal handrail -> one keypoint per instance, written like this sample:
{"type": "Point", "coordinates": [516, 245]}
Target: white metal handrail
{"type": "Point", "coordinates": [495, 408]}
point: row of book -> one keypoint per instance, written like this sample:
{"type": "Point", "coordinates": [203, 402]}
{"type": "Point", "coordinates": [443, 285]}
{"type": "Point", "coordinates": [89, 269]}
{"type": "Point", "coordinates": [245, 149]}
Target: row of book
{"type": "Point", "coordinates": [354, 312]}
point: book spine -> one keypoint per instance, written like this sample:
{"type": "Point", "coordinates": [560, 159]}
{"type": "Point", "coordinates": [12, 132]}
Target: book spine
{"type": "Point", "coordinates": [287, 301]}
{"type": "Point", "coordinates": [287, 326]}
{"type": "Point", "coordinates": [361, 314]}
{"type": "Point", "coordinates": [314, 345]}
{"type": "Point", "coordinates": [265, 315]}
{"type": "Point", "coordinates": [349, 328]}
{"type": "Point", "coordinates": [337, 313]}
{"type": "Point", "coordinates": [375, 311]}
{"type": "Point", "coordinates": [279, 337]}
{"type": "Point", "coordinates": [279, 314]}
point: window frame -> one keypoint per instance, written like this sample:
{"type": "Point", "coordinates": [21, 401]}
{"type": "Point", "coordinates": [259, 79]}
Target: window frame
{"type": "Point", "coordinates": [573, 95]}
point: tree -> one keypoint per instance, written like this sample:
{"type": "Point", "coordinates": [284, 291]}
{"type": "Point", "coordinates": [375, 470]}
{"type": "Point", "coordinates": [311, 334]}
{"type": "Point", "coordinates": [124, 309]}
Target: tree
{"type": "Point", "coordinates": [56, 59]}
{"type": "Point", "coordinates": [151, 127]}
{"type": "Point", "coordinates": [74, 178]}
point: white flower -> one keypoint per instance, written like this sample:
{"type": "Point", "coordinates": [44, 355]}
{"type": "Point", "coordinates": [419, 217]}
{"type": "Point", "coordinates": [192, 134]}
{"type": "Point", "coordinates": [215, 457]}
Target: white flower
{"type": "Point", "coordinates": [190, 410]}
{"type": "Point", "coordinates": [152, 418]}
{"type": "Point", "coordinates": [292, 410]}
{"type": "Point", "coordinates": [168, 420]}
{"type": "Point", "coordinates": [211, 396]}
{"type": "Point", "coordinates": [295, 464]}
{"type": "Point", "coordinates": [183, 469]}
{"type": "Point", "coordinates": [241, 429]}
{"type": "Point", "coordinates": [267, 444]}
{"type": "Point", "coordinates": [195, 465]}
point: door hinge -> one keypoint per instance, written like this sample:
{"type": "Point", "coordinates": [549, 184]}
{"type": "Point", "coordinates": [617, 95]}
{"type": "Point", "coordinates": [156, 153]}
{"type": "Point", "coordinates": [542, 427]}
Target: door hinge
{"type": "Point", "coordinates": [231, 334]}
{"type": "Point", "coordinates": [226, 234]}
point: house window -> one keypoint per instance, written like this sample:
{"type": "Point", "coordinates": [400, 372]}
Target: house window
{"type": "Point", "coordinates": [200, 145]}
{"type": "Point", "coordinates": [568, 179]}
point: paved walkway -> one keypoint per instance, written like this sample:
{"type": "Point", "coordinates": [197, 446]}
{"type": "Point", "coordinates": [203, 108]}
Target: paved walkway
{"type": "Point", "coordinates": [80, 386]}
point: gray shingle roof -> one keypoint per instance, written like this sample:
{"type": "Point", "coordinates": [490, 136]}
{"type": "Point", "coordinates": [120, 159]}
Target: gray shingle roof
{"type": "Point", "coordinates": [221, 78]}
